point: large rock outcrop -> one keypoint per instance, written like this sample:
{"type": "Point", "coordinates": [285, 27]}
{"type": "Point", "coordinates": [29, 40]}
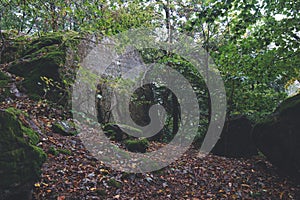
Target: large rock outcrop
{"type": "Point", "coordinates": [20, 159]}
{"type": "Point", "coordinates": [46, 64]}
{"type": "Point", "coordinates": [235, 139]}
{"type": "Point", "coordinates": [278, 137]}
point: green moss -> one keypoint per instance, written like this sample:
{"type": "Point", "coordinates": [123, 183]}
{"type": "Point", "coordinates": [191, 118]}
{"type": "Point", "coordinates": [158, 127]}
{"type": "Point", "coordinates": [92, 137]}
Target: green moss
{"type": "Point", "coordinates": [33, 136]}
{"type": "Point", "coordinates": [66, 128]}
{"type": "Point", "coordinates": [115, 133]}
{"type": "Point", "coordinates": [42, 155]}
{"type": "Point", "coordinates": [3, 83]}
{"type": "Point", "coordinates": [113, 183]}
{"type": "Point", "coordinates": [58, 127]}
{"type": "Point", "coordinates": [32, 72]}
{"type": "Point", "coordinates": [137, 145]}
{"type": "Point", "coordinates": [16, 112]}
{"type": "Point", "coordinates": [20, 160]}
{"type": "Point", "coordinates": [64, 151]}
{"type": "Point", "coordinates": [58, 57]}
{"type": "Point", "coordinates": [28, 132]}
{"type": "Point", "coordinates": [45, 57]}
{"type": "Point", "coordinates": [44, 41]}
{"type": "Point", "coordinates": [56, 152]}
{"type": "Point", "coordinates": [3, 76]}
{"type": "Point", "coordinates": [255, 194]}
{"type": "Point", "coordinates": [35, 57]}
{"type": "Point", "coordinates": [53, 151]}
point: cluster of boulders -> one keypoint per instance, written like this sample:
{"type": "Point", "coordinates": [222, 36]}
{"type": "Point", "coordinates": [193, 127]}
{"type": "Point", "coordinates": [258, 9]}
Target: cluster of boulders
{"type": "Point", "coordinates": [277, 137]}
{"type": "Point", "coordinates": [41, 64]}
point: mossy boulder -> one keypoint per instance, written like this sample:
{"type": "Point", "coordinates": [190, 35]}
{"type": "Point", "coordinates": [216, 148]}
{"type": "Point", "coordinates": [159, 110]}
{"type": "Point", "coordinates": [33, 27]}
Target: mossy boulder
{"type": "Point", "coordinates": [137, 145]}
{"type": "Point", "coordinates": [278, 137]}
{"type": "Point", "coordinates": [20, 159]}
{"type": "Point", "coordinates": [114, 132]}
{"type": "Point", "coordinates": [65, 128]}
{"type": "Point", "coordinates": [42, 64]}
{"type": "Point", "coordinates": [120, 132]}
{"type": "Point", "coordinates": [235, 139]}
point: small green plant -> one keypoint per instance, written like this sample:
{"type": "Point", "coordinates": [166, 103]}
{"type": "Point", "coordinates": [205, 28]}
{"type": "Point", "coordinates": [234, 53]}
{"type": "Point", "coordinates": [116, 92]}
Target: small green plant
{"type": "Point", "coordinates": [64, 151]}
{"type": "Point", "coordinates": [53, 151]}
{"type": "Point", "coordinates": [49, 83]}
{"type": "Point", "coordinates": [113, 183]}
{"type": "Point", "coordinates": [56, 152]}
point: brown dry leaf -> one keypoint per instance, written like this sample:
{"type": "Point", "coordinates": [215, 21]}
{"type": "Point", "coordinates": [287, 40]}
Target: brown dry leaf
{"type": "Point", "coordinates": [281, 195]}
{"type": "Point", "coordinates": [61, 198]}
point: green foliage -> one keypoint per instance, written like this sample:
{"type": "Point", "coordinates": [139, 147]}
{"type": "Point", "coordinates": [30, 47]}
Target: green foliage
{"type": "Point", "coordinates": [256, 53]}
{"type": "Point", "coordinates": [91, 16]}
{"type": "Point", "coordinates": [289, 105]}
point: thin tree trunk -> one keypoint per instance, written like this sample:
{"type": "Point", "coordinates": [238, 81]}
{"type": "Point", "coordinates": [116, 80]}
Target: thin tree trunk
{"type": "Point", "coordinates": [175, 113]}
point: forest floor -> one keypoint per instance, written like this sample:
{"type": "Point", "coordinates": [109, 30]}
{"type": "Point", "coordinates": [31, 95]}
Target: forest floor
{"type": "Point", "coordinates": [71, 172]}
